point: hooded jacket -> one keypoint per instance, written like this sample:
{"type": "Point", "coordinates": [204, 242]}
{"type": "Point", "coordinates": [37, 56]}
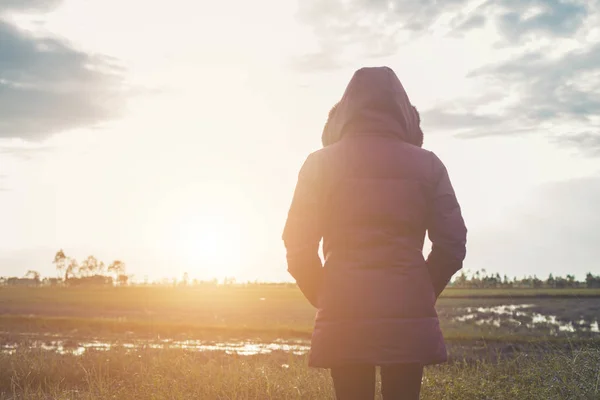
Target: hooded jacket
{"type": "Point", "coordinates": [371, 194]}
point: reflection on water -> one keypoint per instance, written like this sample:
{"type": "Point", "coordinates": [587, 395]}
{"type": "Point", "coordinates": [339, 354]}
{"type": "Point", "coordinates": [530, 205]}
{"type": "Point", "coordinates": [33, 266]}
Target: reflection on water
{"type": "Point", "coordinates": [519, 314]}
{"type": "Point", "coordinates": [509, 309]}
{"type": "Point", "coordinates": [240, 348]}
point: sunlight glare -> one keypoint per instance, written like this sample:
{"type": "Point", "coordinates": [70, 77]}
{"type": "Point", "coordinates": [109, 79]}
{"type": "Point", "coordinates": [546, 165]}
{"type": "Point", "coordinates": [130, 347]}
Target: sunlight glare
{"type": "Point", "coordinates": [206, 244]}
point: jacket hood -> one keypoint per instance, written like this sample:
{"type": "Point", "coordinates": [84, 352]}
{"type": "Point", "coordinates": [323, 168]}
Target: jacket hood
{"type": "Point", "coordinates": [374, 103]}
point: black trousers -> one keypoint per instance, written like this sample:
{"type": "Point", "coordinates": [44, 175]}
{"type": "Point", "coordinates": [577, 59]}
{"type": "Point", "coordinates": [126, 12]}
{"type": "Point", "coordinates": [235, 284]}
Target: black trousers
{"type": "Point", "coordinates": [357, 382]}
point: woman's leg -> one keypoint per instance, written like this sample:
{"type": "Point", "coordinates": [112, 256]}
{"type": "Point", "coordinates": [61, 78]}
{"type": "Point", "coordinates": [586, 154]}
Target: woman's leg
{"type": "Point", "coordinates": [354, 382]}
{"type": "Point", "coordinates": [401, 382]}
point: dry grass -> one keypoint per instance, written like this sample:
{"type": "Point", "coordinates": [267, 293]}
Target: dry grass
{"type": "Point", "coordinates": [175, 374]}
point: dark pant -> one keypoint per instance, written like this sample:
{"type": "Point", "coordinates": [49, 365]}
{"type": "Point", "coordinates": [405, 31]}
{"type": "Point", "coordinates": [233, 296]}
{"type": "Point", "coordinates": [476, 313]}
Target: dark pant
{"type": "Point", "coordinates": [357, 382]}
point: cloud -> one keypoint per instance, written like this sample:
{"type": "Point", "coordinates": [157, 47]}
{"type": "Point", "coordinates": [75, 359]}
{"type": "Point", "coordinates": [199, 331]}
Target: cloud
{"type": "Point", "coordinates": [473, 21]}
{"type": "Point", "coordinates": [374, 28]}
{"type": "Point", "coordinates": [364, 29]}
{"type": "Point", "coordinates": [559, 89]}
{"type": "Point", "coordinates": [549, 88]}
{"type": "Point", "coordinates": [47, 86]}
{"type": "Point", "coordinates": [553, 90]}
{"type": "Point", "coordinates": [518, 18]}
{"type": "Point", "coordinates": [558, 96]}
{"type": "Point", "coordinates": [437, 118]}
{"type": "Point", "coordinates": [467, 125]}
{"type": "Point", "coordinates": [24, 151]}
{"type": "Point", "coordinates": [588, 142]}
{"type": "Point", "coordinates": [33, 6]}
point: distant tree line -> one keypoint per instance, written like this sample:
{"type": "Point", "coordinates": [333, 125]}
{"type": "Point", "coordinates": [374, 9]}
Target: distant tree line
{"type": "Point", "coordinates": [481, 279]}
{"type": "Point", "coordinates": [89, 272]}
{"type": "Point", "coordinates": [92, 272]}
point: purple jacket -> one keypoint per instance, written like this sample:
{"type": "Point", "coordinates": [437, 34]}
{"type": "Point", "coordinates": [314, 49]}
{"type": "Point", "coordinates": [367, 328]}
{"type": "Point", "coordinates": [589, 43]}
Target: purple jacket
{"type": "Point", "coordinates": [371, 194]}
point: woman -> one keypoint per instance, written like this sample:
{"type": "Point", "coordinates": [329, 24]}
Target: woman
{"type": "Point", "coordinates": [371, 194]}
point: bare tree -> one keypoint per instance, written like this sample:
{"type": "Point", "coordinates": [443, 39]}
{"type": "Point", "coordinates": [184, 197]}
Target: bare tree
{"type": "Point", "coordinates": [60, 261]}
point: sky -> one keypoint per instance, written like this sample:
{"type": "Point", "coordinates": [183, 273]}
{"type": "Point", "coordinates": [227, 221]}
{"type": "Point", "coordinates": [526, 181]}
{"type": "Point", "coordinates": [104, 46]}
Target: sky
{"type": "Point", "coordinates": [170, 134]}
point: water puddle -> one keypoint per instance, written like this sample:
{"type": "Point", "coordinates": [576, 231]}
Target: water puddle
{"type": "Point", "coordinates": [241, 348]}
{"type": "Point", "coordinates": [472, 313]}
{"type": "Point", "coordinates": [521, 315]}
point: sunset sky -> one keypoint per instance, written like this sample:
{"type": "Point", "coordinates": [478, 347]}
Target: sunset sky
{"type": "Point", "coordinates": [170, 134]}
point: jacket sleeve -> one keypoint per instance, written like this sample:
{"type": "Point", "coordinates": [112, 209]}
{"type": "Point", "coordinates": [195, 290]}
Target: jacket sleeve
{"type": "Point", "coordinates": [447, 230]}
{"type": "Point", "coordinates": [302, 233]}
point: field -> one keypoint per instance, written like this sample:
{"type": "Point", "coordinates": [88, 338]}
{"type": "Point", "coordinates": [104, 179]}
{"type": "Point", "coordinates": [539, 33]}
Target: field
{"type": "Point", "coordinates": [250, 342]}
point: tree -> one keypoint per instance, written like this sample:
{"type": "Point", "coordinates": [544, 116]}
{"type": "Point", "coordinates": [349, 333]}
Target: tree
{"type": "Point", "coordinates": [72, 269]}
{"type": "Point", "coordinates": [90, 265]}
{"type": "Point", "coordinates": [31, 274]}
{"type": "Point", "coordinates": [560, 282]}
{"type": "Point", "coordinates": [461, 280]}
{"type": "Point", "coordinates": [122, 279]}
{"type": "Point", "coordinates": [229, 280]}
{"type": "Point", "coordinates": [592, 281]}
{"type": "Point", "coordinates": [60, 261]}
{"type": "Point", "coordinates": [117, 268]}
{"type": "Point", "coordinates": [101, 268]}
{"type": "Point", "coordinates": [51, 281]}
{"type": "Point", "coordinates": [551, 282]}
{"type": "Point", "coordinates": [83, 270]}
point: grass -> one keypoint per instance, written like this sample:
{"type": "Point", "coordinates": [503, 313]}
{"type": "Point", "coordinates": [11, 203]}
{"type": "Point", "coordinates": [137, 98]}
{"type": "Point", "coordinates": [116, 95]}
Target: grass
{"type": "Point", "coordinates": [257, 311]}
{"type": "Point", "coordinates": [145, 328]}
{"type": "Point", "coordinates": [175, 374]}
{"type": "Point", "coordinates": [149, 296]}
{"type": "Point", "coordinates": [512, 360]}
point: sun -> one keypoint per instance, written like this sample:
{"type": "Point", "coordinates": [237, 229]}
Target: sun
{"type": "Point", "coordinates": [208, 246]}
